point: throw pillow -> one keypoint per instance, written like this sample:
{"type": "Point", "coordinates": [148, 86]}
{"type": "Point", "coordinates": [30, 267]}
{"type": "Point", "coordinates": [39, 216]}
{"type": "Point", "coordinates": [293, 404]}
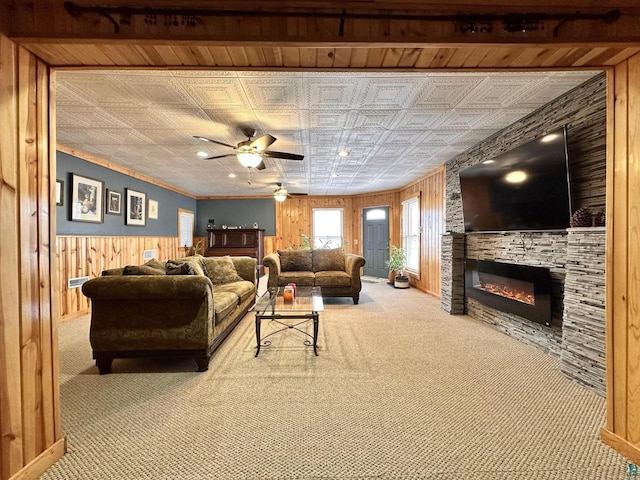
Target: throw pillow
{"type": "Point", "coordinates": [183, 267]}
{"type": "Point", "coordinates": [328, 259]}
{"type": "Point", "coordinates": [295, 261]}
{"type": "Point", "coordinates": [220, 270]}
{"type": "Point", "coordinates": [142, 270]}
{"type": "Point", "coordinates": [153, 263]}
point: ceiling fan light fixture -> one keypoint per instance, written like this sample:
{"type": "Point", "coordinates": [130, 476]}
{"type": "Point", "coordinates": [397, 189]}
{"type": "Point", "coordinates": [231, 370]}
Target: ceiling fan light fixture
{"type": "Point", "coordinates": [343, 153]}
{"type": "Point", "coordinates": [249, 159]}
{"type": "Point", "coordinates": [280, 195]}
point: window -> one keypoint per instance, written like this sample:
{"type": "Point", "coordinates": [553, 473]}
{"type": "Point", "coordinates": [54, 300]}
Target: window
{"type": "Point", "coordinates": [411, 233]}
{"type": "Point", "coordinates": [185, 227]}
{"type": "Point", "coordinates": [327, 227]}
{"type": "Point", "coordinates": [376, 214]}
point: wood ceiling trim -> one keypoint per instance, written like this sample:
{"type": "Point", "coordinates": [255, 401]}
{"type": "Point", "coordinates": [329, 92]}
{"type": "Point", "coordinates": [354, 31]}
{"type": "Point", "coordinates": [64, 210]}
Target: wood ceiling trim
{"type": "Point", "coordinates": [344, 58]}
{"type": "Point", "coordinates": [119, 168]}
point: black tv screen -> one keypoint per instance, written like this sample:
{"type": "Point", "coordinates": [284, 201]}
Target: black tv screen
{"type": "Point", "coordinates": [526, 188]}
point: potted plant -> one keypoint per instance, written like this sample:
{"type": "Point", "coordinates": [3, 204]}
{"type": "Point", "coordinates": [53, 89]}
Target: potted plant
{"type": "Point", "coordinates": [395, 264]}
{"type": "Point", "coordinates": [194, 249]}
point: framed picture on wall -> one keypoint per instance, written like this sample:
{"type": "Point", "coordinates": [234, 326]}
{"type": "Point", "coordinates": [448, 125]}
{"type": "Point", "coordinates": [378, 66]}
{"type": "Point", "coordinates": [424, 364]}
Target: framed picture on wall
{"type": "Point", "coordinates": [86, 199]}
{"type": "Point", "coordinates": [114, 202]}
{"type": "Point", "coordinates": [59, 192]}
{"type": "Point", "coordinates": [153, 209]}
{"type": "Point", "coordinates": [135, 209]}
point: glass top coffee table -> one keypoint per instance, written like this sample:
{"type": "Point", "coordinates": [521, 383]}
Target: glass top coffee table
{"type": "Point", "coordinates": [289, 315]}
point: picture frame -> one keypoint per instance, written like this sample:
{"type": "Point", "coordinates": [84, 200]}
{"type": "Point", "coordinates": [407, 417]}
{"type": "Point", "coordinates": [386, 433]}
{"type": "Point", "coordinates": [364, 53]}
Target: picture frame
{"type": "Point", "coordinates": [87, 200]}
{"type": "Point", "coordinates": [153, 210]}
{"type": "Point", "coordinates": [135, 214]}
{"type": "Point", "coordinates": [114, 202]}
{"type": "Point", "coordinates": [59, 192]}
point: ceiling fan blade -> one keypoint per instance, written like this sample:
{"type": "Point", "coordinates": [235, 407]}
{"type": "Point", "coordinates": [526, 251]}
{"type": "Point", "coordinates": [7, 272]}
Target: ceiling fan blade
{"type": "Point", "coordinates": [263, 142]}
{"type": "Point", "coordinates": [298, 194]}
{"type": "Point", "coordinates": [205, 139]}
{"type": "Point", "coordinates": [283, 155]}
{"type": "Point", "coordinates": [220, 156]}
{"type": "Point", "coordinates": [261, 166]}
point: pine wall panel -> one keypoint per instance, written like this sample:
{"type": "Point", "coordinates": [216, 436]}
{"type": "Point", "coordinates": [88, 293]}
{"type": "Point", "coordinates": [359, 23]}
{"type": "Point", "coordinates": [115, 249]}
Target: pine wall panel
{"type": "Point", "coordinates": [382, 199]}
{"type": "Point", "coordinates": [294, 218]}
{"type": "Point", "coordinates": [30, 434]}
{"type": "Point", "coordinates": [80, 256]}
{"type": "Point", "coordinates": [430, 190]}
{"type": "Point", "coordinates": [622, 429]}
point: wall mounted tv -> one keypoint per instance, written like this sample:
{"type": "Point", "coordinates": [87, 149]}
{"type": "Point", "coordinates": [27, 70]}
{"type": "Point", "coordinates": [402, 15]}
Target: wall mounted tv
{"type": "Point", "coordinates": [526, 188]}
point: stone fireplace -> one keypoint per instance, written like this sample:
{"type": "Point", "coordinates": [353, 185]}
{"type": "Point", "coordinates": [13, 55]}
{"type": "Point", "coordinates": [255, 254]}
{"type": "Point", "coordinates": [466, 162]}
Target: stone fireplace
{"type": "Point", "coordinates": [575, 258]}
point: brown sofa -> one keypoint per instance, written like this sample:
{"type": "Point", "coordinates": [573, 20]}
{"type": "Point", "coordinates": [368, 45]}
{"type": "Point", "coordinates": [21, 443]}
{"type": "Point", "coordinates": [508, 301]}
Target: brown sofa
{"type": "Point", "coordinates": [181, 307]}
{"type": "Point", "coordinates": [337, 273]}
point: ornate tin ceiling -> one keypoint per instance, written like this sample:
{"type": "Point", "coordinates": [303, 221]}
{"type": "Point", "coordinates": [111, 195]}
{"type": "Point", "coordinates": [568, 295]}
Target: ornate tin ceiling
{"type": "Point", "coordinates": [396, 126]}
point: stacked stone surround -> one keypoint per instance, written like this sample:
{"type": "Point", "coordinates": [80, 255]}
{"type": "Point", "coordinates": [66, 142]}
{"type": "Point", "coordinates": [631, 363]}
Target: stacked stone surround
{"type": "Point", "coordinates": [583, 340]}
{"type": "Point", "coordinates": [538, 249]}
{"type": "Point", "coordinates": [452, 290]}
{"type": "Point", "coordinates": [583, 111]}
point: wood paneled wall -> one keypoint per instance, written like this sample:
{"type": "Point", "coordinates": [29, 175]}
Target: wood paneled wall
{"type": "Point", "coordinates": [430, 189]}
{"type": "Point", "coordinates": [622, 429]}
{"type": "Point", "coordinates": [294, 217]}
{"type": "Point", "coordinates": [79, 256]}
{"type": "Point", "coordinates": [30, 438]}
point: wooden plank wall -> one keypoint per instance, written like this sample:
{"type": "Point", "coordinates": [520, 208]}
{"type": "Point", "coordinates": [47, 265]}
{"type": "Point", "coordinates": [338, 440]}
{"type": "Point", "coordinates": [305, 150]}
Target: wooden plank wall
{"type": "Point", "coordinates": [79, 256]}
{"type": "Point", "coordinates": [622, 429]}
{"type": "Point", "coordinates": [430, 189]}
{"type": "Point", "coordinates": [293, 218]}
{"type": "Point", "coordinates": [30, 437]}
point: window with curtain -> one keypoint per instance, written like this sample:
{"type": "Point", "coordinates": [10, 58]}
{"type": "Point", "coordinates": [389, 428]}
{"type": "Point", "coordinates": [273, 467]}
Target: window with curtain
{"type": "Point", "coordinates": [411, 233]}
{"type": "Point", "coordinates": [327, 227]}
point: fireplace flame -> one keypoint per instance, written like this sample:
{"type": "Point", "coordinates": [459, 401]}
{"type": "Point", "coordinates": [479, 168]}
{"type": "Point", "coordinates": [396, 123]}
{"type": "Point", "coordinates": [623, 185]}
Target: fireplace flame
{"type": "Point", "coordinates": [508, 292]}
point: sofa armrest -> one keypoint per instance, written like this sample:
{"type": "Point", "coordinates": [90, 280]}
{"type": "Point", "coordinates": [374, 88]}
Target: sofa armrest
{"type": "Point", "coordinates": [247, 268]}
{"type": "Point", "coordinates": [352, 265]}
{"type": "Point", "coordinates": [138, 287]}
{"type": "Point", "coordinates": [113, 271]}
{"type": "Point", "coordinates": [272, 262]}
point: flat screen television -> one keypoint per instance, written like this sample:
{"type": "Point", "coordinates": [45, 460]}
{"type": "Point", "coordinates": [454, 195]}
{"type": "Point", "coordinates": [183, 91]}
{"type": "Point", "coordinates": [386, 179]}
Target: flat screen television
{"type": "Point", "coordinates": [526, 188]}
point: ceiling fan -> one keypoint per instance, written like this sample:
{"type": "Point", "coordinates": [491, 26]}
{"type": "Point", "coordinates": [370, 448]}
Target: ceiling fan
{"type": "Point", "coordinates": [250, 152]}
{"type": "Point", "coordinates": [280, 194]}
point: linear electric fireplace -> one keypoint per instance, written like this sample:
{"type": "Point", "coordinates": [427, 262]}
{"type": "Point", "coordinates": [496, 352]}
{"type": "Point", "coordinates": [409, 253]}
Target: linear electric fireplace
{"type": "Point", "coordinates": [519, 289]}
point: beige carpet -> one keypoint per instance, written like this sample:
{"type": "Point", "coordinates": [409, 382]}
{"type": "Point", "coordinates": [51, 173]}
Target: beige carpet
{"type": "Point", "coordinates": [400, 390]}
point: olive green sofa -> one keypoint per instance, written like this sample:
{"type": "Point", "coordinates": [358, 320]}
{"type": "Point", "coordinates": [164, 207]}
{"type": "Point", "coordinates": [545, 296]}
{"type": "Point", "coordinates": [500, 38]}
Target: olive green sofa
{"type": "Point", "coordinates": [185, 307]}
{"type": "Point", "coordinates": [336, 272]}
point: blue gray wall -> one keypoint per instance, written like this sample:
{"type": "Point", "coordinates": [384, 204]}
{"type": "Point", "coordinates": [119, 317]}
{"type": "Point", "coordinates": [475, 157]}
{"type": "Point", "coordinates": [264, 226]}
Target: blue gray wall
{"type": "Point", "coordinates": [114, 225]}
{"type": "Point", "coordinates": [232, 212]}
{"type": "Point", "coordinates": [237, 212]}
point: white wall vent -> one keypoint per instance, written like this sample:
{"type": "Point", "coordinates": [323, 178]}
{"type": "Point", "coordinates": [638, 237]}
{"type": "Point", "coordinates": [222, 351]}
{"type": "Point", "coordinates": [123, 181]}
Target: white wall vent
{"type": "Point", "coordinates": [76, 282]}
{"type": "Point", "coordinates": [148, 254]}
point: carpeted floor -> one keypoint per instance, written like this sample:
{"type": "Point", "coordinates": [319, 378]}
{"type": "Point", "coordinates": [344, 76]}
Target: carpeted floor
{"type": "Point", "coordinates": [400, 390]}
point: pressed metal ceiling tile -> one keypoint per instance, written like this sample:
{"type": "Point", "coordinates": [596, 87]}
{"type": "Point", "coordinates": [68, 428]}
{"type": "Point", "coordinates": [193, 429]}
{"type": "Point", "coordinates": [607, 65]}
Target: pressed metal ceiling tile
{"type": "Point", "coordinates": [395, 126]}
